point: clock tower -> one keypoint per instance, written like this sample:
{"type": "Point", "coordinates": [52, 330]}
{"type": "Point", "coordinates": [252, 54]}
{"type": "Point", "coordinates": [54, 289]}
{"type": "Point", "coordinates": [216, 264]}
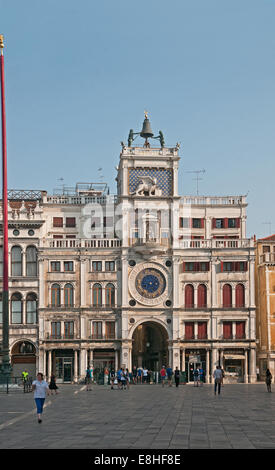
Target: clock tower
{"type": "Point", "coordinates": [148, 205]}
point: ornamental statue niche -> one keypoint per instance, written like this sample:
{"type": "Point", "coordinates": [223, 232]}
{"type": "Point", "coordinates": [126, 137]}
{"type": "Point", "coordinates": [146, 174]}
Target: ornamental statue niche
{"type": "Point", "coordinates": [147, 186]}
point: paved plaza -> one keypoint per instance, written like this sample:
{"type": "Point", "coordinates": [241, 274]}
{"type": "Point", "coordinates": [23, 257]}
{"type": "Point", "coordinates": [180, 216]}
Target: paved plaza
{"type": "Point", "coordinates": [144, 417]}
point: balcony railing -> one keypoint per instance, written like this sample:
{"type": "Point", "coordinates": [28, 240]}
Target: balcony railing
{"type": "Point", "coordinates": [215, 243]}
{"type": "Point", "coordinates": [62, 306]}
{"type": "Point", "coordinates": [82, 243]}
{"type": "Point", "coordinates": [232, 337]}
{"type": "Point", "coordinates": [61, 337]}
{"type": "Point", "coordinates": [267, 258]}
{"type": "Point", "coordinates": [214, 200]}
{"type": "Point", "coordinates": [195, 338]}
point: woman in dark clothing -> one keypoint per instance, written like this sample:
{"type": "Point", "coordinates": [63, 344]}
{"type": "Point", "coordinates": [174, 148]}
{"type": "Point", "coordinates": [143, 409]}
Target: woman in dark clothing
{"type": "Point", "coordinates": [268, 379]}
{"type": "Point", "coordinates": [53, 385]}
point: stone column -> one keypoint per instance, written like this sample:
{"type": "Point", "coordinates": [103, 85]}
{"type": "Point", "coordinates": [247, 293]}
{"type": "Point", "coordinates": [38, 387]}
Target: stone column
{"type": "Point", "coordinates": [75, 366]}
{"type": "Point", "coordinates": [176, 282]}
{"type": "Point", "coordinates": [213, 283]}
{"type": "Point", "coordinates": [50, 364]}
{"type": "Point", "coordinates": [196, 330]}
{"type": "Point", "coordinates": [116, 360]}
{"type": "Point", "coordinates": [24, 270]}
{"type": "Point", "coordinates": [246, 367]}
{"type": "Point", "coordinates": [234, 330]}
{"type": "Point", "coordinates": [207, 372]}
{"type": "Point", "coordinates": [183, 360]}
{"type": "Point", "coordinates": [214, 361]}
{"type": "Point", "coordinates": [176, 357]}
{"type": "Point", "coordinates": [83, 365]}
{"type": "Point", "coordinates": [221, 358]}
{"type": "Point", "coordinates": [44, 364]}
{"type": "Point", "coordinates": [82, 283]}
{"type": "Point", "coordinates": [41, 282]}
{"type": "Point", "coordinates": [252, 368]}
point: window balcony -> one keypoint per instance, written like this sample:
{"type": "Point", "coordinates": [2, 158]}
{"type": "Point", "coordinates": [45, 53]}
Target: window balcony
{"type": "Point", "coordinates": [61, 337]}
{"type": "Point", "coordinates": [194, 338]}
{"type": "Point", "coordinates": [101, 337]}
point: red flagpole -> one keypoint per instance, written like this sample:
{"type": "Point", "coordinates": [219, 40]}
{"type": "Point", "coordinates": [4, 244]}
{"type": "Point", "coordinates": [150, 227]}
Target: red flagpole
{"type": "Point", "coordinates": [6, 359]}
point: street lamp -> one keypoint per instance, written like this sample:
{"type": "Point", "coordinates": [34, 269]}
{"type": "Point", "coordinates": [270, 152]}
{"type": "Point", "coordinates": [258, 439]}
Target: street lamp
{"type": "Point", "coordinates": [6, 367]}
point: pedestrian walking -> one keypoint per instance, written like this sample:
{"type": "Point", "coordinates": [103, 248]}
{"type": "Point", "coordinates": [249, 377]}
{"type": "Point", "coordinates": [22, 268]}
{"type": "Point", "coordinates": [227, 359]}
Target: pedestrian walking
{"type": "Point", "coordinates": [112, 378]}
{"type": "Point", "coordinates": [140, 375]}
{"type": "Point", "coordinates": [119, 383]}
{"type": "Point", "coordinates": [128, 378]}
{"type": "Point", "coordinates": [268, 380]}
{"type": "Point", "coordinates": [88, 378]}
{"type": "Point", "coordinates": [123, 379]}
{"type": "Point", "coordinates": [25, 376]}
{"type": "Point", "coordinates": [41, 389]}
{"type": "Point", "coordinates": [106, 375]}
{"type": "Point", "coordinates": [218, 379]}
{"type": "Point", "coordinates": [145, 375]}
{"type": "Point", "coordinates": [177, 376]}
{"type": "Point", "coordinates": [196, 377]}
{"type": "Point", "coordinates": [52, 386]}
{"type": "Point", "coordinates": [163, 375]}
{"type": "Point", "coordinates": [135, 375]}
{"type": "Point", "coordinates": [169, 374]}
{"type": "Point", "coordinates": [201, 376]}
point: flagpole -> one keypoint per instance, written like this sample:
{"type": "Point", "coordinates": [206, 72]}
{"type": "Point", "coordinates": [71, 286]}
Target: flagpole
{"type": "Point", "coordinates": [6, 368]}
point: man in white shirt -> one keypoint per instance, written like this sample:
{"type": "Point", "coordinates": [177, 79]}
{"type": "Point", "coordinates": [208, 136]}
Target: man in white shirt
{"type": "Point", "coordinates": [145, 375]}
{"type": "Point", "coordinates": [218, 379]}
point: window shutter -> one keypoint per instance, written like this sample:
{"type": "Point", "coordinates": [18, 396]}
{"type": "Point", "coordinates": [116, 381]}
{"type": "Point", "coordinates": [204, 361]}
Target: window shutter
{"type": "Point", "coordinates": [202, 223]}
{"type": "Point", "coordinates": [238, 222]}
{"type": "Point", "coordinates": [183, 266]}
{"type": "Point", "coordinates": [225, 222]}
{"type": "Point", "coordinates": [190, 223]}
{"type": "Point", "coordinates": [221, 266]}
{"type": "Point", "coordinates": [213, 222]}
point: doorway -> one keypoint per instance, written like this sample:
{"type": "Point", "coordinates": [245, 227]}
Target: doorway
{"type": "Point", "coordinates": [150, 346]}
{"type": "Point", "coordinates": [64, 367]}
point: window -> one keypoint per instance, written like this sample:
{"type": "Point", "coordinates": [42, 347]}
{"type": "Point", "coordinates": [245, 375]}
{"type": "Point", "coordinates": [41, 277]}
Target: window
{"type": "Point", "coordinates": [189, 330]}
{"type": "Point", "coordinates": [31, 261]}
{"type": "Point", "coordinates": [56, 329]}
{"type": "Point", "coordinates": [266, 249]}
{"type": "Point", "coordinates": [110, 295]}
{"type": "Point", "coordinates": [97, 330]}
{"type": "Point", "coordinates": [97, 295]}
{"type": "Point", "coordinates": [200, 266]}
{"type": "Point", "coordinates": [237, 266]}
{"type": "Point", "coordinates": [110, 329]}
{"type": "Point", "coordinates": [55, 295]}
{"type": "Point", "coordinates": [202, 330]}
{"type": "Point", "coordinates": [58, 222]}
{"type": "Point", "coordinates": [69, 295]}
{"type": "Point", "coordinates": [70, 221]}
{"type": "Point", "coordinates": [232, 223]}
{"type": "Point", "coordinates": [197, 223]}
{"type": "Point", "coordinates": [69, 329]}
{"type": "Point", "coordinates": [97, 265]}
{"type": "Point", "coordinates": [68, 266]}
{"type": "Point", "coordinates": [16, 261]}
{"type": "Point", "coordinates": [109, 266]}
{"type": "Point", "coordinates": [227, 296]}
{"type": "Point", "coordinates": [16, 308]}
{"type": "Point", "coordinates": [240, 330]}
{"type": "Point", "coordinates": [55, 266]}
{"type": "Point", "coordinates": [202, 296]}
{"type": "Point", "coordinates": [189, 296]}
{"type": "Point", "coordinates": [240, 295]}
{"type": "Point", "coordinates": [219, 223]}
{"type": "Point", "coordinates": [183, 222]}
{"type": "Point", "coordinates": [31, 308]}
{"type": "Point", "coordinates": [227, 330]}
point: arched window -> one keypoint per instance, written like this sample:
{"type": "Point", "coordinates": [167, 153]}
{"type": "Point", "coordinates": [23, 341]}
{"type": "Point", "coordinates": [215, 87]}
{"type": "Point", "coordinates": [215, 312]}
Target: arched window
{"type": "Point", "coordinates": [16, 261]}
{"type": "Point", "coordinates": [31, 302]}
{"type": "Point", "coordinates": [97, 295]}
{"type": "Point", "coordinates": [227, 296]}
{"type": "Point", "coordinates": [110, 295]}
{"type": "Point", "coordinates": [69, 295]}
{"type": "Point", "coordinates": [202, 296]}
{"type": "Point", "coordinates": [55, 295]}
{"type": "Point", "coordinates": [16, 308]}
{"type": "Point", "coordinates": [31, 261]}
{"type": "Point", "coordinates": [189, 296]}
{"type": "Point", "coordinates": [240, 295]}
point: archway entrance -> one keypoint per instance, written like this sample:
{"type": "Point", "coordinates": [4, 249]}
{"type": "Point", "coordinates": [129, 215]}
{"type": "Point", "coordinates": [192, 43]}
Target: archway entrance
{"type": "Point", "coordinates": [150, 346]}
{"type": "Point", "coordinates": [23, 358]}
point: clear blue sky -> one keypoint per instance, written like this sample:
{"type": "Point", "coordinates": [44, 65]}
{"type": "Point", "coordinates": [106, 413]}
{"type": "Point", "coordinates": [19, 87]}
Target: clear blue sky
{"type": "Point", "coordinates": [79, 75]}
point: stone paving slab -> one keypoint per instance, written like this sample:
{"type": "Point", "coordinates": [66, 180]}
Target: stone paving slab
{"type": "Point", "coordinates": [145, 417]}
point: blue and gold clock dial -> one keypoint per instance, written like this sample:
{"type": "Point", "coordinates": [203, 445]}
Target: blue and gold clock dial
{"type": "Point", "coordinates": [150, 283]}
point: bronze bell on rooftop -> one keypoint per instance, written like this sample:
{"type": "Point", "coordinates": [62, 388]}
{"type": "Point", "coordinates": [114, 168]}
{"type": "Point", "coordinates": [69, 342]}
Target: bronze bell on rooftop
{"type": "Point", "coordinates": [146, 129]}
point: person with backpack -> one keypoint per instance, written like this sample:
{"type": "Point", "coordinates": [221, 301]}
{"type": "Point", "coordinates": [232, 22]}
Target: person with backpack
{"type": "Point", "coordinates": [88, 379]}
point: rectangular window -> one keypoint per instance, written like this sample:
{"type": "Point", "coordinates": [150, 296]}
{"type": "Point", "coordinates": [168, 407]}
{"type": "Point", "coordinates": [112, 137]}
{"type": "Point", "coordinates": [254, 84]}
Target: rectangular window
{"type": "Point", "coordinates": [196, 223]}
{"type": "Point", "coordinates": [68, 266]}
{"type": "Point", "coordinates": [58, 221]}
{"type": "Point", "coordinates": [236, 266]}
{"type": "Point", "coordinates": [97, 265]}
{"type": "Point", "coordinates": [189, 330]}
{"type": "Point", "coordinates": [97, 330]}
{"type": "Point", "coordinates": [70, 221]}
{"type": "Point", "coordinates": [184, 222]}
{"type": "Point", "coordinates": [109, 266]}
{"type": "Point", "coordinates": [196, 267]}
{"type": "Point", "coordinates": [56, 329]}
{"type": "Point", "coordinates": [232, 223]}
{"type": "Point", "coordinates": [202, 330]}
{"type": "Point", "coordinates": [69, 329]}
{"type": "Point", "coordinates": [219, 223]}
{"type": "Point", "coordinates": [266, 249]}
{"type": "Point", "coordinates": [55, 266]}
{"type": "Point", "coordinates": [227, 330]}
{"type": "Point", "coordinates": [240, 330]}
{"type": "Point", "coordinates": [110, 329]}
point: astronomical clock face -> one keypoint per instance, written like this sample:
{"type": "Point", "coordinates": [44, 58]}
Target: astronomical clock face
{"type": "Point", "coordinates": [150, 283]}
